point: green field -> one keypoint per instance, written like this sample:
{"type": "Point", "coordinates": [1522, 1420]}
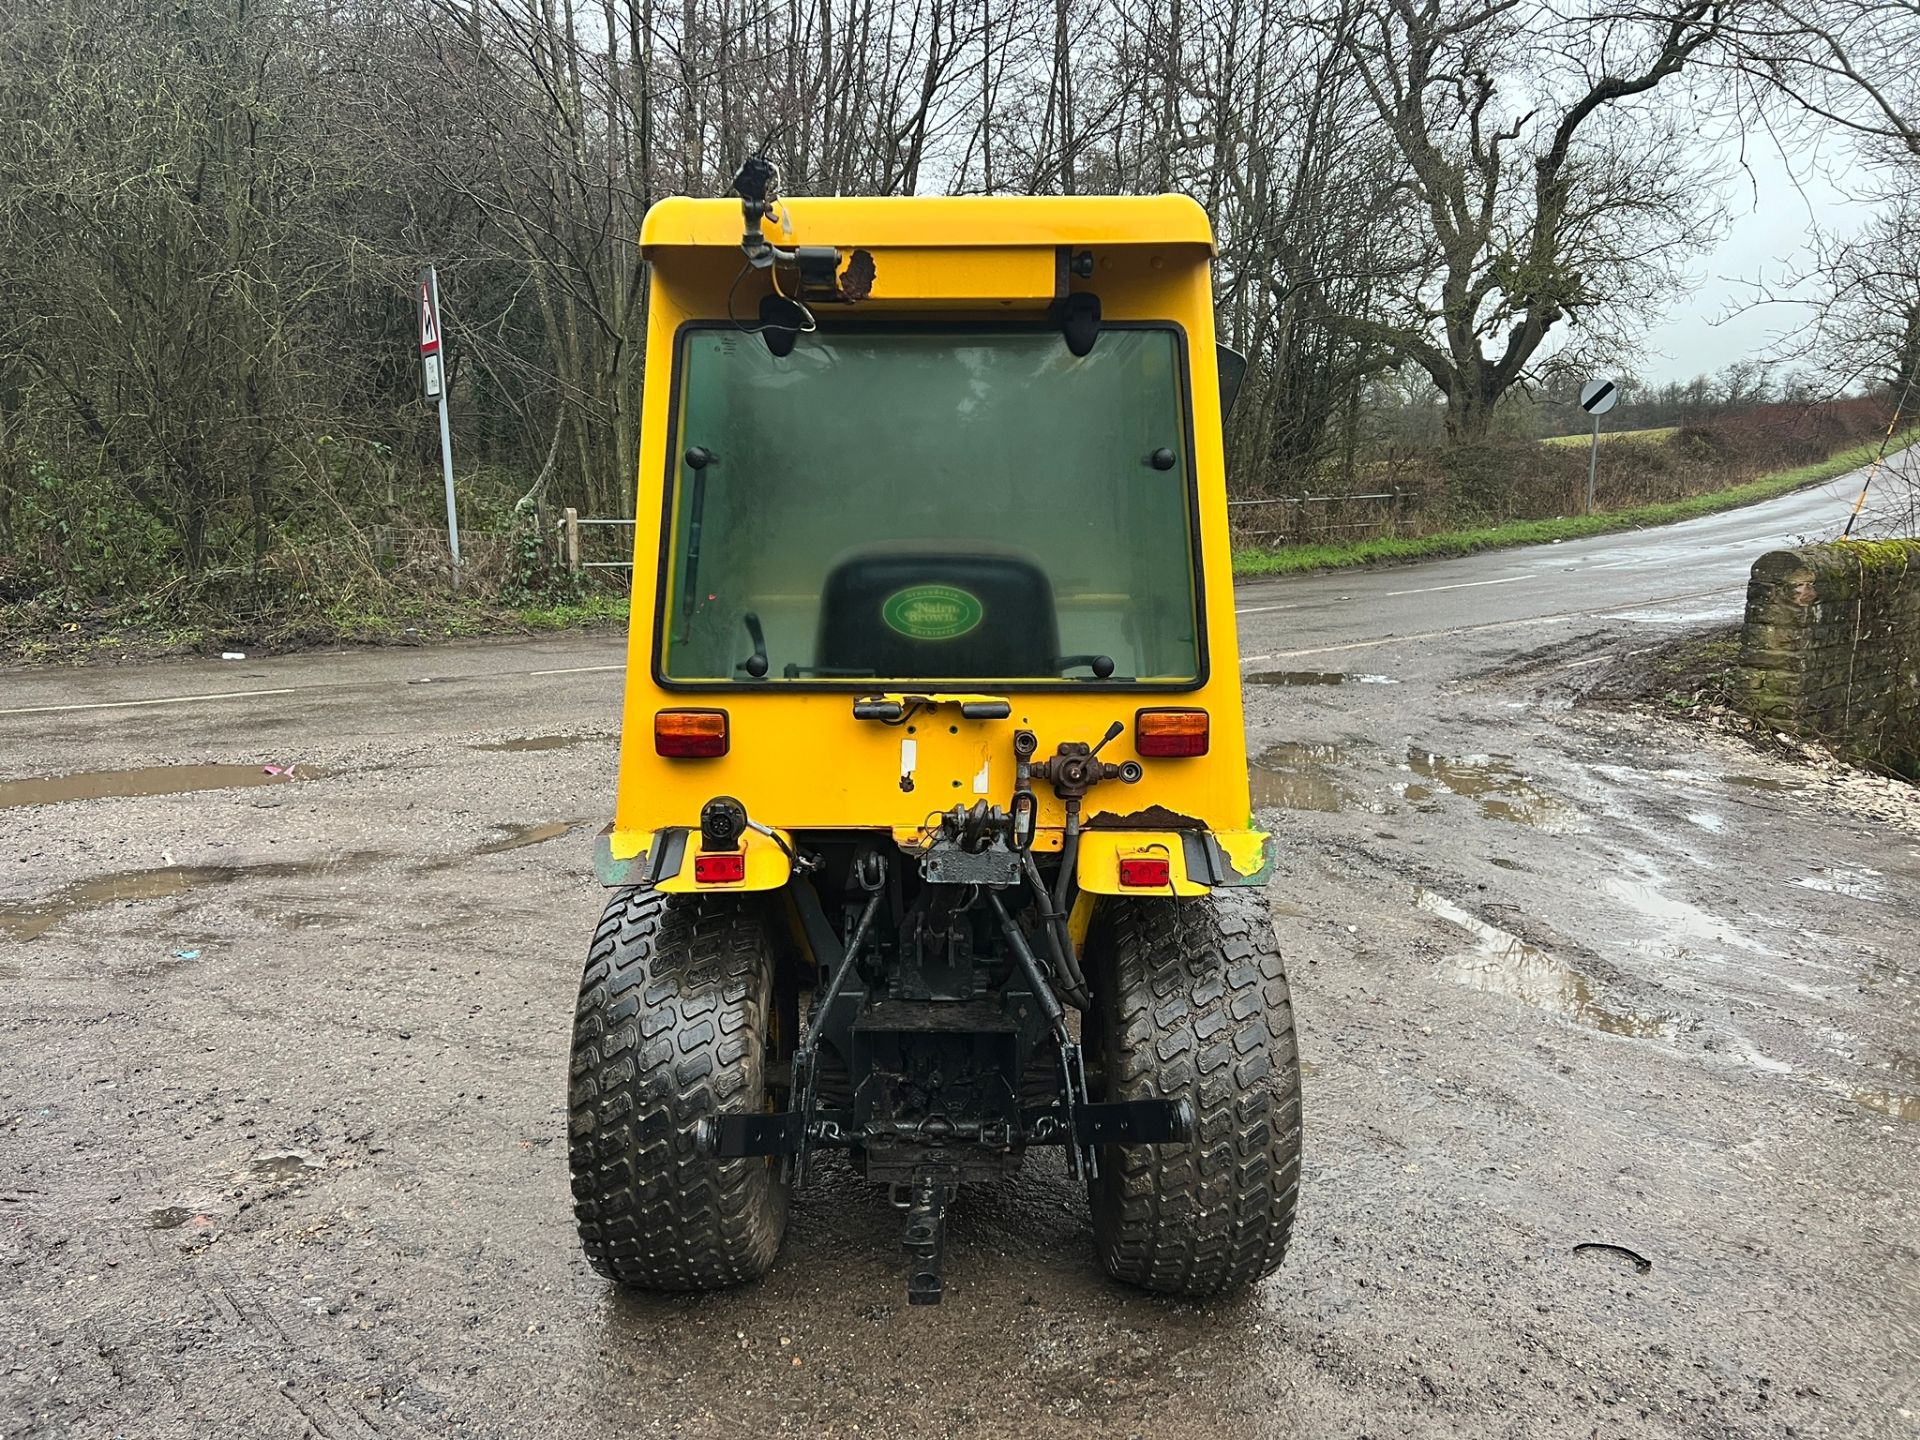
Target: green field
{"type": "Point", "coordinates": [1659, 432]}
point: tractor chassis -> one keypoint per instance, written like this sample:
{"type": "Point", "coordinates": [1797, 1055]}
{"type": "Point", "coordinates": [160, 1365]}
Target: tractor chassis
{"type": "Point", "coordinates": [947, 1072]}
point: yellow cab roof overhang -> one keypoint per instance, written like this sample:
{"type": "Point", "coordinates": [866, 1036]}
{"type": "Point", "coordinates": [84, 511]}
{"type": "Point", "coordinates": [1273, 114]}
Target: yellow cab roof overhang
{"type": "Point", "coordinates": [937, 222]}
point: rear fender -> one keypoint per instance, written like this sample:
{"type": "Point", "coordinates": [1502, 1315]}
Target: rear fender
{"type": "Point", "coordinates": [666, 863]}
{"type": "Point", "coordinates": [1197, 860]}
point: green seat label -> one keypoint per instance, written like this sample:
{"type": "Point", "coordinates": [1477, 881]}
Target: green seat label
{"type": "Point", "coordinates": [931, 612]}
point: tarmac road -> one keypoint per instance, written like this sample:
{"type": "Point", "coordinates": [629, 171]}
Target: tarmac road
{"type": "Point", "coordinates": [1693, 571]}
{"type": "Point", "coordinates": [282, 1064]}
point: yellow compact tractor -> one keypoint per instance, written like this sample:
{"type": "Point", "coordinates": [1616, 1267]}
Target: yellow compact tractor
{"type": "Point", "coordinates": [933, 844]}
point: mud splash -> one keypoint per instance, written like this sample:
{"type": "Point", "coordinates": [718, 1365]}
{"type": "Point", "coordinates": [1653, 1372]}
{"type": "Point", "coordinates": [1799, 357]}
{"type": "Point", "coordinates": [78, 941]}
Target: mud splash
{"type": "Point", "coordinates": [1293, 776]}
{"type": "Point", "coordinates": [146, 780]}
{"type": "Point", "coordinates": [1491, 782]}
{"type": "Point", "coordinates": [535, 742]}
{"type": "Point", "coordinates": [1315, 677]}
{"type": "Point", "coordinates": [1504, 964]}
{"type": "Point", "coordinates": [22, 920]}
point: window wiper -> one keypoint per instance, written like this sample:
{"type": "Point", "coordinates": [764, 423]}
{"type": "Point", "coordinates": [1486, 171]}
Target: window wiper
{"type": "Point", "coordinates": [698, 459]}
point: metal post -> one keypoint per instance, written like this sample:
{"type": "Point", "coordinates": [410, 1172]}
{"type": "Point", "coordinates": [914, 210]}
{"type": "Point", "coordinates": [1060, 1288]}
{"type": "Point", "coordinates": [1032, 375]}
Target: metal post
{"type": "Point", "coordinates": [446, 471]}
{"type": "Point", "coordinates": [1593, 463]}
{"type": "Point", "coordinates": [434, 372]}
{"type": "Point", "coordinates": [573, 540]}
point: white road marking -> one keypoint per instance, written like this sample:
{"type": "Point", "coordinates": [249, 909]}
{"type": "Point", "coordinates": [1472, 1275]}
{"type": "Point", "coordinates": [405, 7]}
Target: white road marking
{"type": "Point", "coordinates": [1463, 585]}
{"type": "Point", "coordinates": [1488, 625]}
{"type": "Point", "coordinates": [163, 700]}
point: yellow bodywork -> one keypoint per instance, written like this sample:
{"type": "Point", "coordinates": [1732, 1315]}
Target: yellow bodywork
{"type": "Point", "coordinates": [797, 759]}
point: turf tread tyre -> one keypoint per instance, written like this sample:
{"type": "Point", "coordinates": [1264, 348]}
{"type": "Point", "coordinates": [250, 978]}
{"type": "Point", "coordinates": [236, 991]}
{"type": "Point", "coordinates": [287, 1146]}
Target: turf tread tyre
{"type": "Point", "coordinates": [672, 1025]}
{"type": "Point", "coordinates": [1192, 1003]}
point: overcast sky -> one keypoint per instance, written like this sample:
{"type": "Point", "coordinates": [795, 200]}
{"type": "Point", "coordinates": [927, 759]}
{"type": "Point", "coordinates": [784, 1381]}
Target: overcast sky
{"type": "Point", "coordinates": [1773, 209]}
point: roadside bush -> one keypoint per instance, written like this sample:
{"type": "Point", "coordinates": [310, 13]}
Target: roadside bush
{"type": "Point", "coordinates": [1435, 489]}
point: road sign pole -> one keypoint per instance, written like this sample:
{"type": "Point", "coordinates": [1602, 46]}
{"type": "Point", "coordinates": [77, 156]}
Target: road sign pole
{"type": "Point", "coordinates": [446, 472]}
{"type": "Point", "coordinates": [1593, 458]}
{"type": "Point", "coordinates": [433, 369]}
{"type": "Point", "coordinates": [1597, 396]}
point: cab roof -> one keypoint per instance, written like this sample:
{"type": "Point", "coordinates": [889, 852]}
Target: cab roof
{"type": "Point", "coordinates": [939, 221]}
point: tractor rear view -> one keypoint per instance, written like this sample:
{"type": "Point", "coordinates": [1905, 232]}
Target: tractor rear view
{"type": "Point", "coordinates": [932, 845]}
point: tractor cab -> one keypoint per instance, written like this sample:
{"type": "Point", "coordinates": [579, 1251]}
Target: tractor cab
{"type": "Point", "coordinates": [932, 840]}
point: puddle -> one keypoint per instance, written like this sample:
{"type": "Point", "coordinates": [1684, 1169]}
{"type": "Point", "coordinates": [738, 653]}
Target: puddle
{"type": "Point", "coordinates": [514, 837]}
{"type": "Point", "coordinates": [1504, 964]}
{"type": "Point", "coordinates": [1764, 782]}
{"type": "Point", "coordinates": [1490, 781]}
{"type": "Point", "coordinates": [148, 780]}
{"type": "Point", "coordinates": [535, 742]}
{"type": "Point", "coordinates": [1860, 884]}
{"type": "Point", "coordinates": [318, 919]}
{"type": "Point", "coordinates": [1678, 920]}
{"type": "Point", "coordinates": [285, 1164]}
{"type": "Point", "coordinates": [26, 919]}
{"type": "Point", "coordinates": [1292, 776]}
{"type": "Point", "coordinates": [1315, 677]}
{"type": "Point", "coordinates": [168, 1217]}
{"type": "Point", "coordinates": [1904, 1108]}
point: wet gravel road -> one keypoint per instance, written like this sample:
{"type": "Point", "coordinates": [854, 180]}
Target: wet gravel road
{"type": "Point", "coordinates": [282, 1087]}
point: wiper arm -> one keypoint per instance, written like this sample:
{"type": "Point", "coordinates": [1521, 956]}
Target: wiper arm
{"type": "Point", "coordinates": [698, 459]}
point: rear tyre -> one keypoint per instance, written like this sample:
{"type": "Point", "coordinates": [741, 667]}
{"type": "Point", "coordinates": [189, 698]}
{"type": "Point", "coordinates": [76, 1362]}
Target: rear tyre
{"type": "Point", "coordinates": [675, 1022]}
{"type": "Point", "coordinates": [1190, 1002]}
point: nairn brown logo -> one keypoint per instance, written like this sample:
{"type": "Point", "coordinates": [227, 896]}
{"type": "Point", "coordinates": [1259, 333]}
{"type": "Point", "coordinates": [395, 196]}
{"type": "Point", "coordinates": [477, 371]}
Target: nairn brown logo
{"type": "Point", "coordinates": [931, 612]}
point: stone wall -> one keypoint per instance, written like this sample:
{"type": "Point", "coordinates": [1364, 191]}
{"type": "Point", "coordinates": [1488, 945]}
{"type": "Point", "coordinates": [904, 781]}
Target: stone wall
{"type": "Point", "coordinates": [1832, 647]}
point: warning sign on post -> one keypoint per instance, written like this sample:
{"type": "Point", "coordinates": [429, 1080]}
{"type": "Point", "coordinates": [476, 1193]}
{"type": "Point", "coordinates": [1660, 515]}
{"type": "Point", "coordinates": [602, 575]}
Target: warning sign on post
{"type": "Point", "coordinates": [429, 315]}
{"type": "Point", "coordinates": [434, 381]}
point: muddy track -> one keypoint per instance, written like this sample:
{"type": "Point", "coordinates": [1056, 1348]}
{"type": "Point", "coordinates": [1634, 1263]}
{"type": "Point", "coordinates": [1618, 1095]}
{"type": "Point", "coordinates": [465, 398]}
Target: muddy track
{"type": "Point", "coordinates": [283, 1108]}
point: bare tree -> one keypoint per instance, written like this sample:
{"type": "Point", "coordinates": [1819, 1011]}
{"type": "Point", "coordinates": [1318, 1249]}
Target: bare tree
{"type": "Point", "coordinates": [1548, 194]}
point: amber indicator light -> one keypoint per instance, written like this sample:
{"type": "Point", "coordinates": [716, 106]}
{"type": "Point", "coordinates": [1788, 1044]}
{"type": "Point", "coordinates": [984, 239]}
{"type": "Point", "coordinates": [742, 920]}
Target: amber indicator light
{"type": "Point", "coordinates": [690, 734]}
{"type": "Point", "coordinates": [1164, 734]}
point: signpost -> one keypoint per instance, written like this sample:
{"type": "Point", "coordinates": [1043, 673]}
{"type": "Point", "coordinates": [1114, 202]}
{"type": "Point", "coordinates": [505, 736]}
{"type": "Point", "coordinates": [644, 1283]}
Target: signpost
{"type": "Point", "coordinates": [1597, 396]}
{"type": "Point", "coordinates": [434, 375]}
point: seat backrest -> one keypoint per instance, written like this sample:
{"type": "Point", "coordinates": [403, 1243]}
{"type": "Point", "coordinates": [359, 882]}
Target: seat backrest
{"type": "Point", "coordinates": [928, 610]}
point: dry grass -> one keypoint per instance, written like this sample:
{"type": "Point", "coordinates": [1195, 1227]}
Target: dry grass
{"type": "Point", "coordinates": [1658, 432]}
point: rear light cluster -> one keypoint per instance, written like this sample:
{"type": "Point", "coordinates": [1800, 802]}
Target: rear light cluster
{"type": "Point", "coordinates": [1144, 871]}
{"type": "Point", "coordinates": [690, 734]}
{"type": "Point", "coordinates": [727, 867]}
{"type": "Point", "coordinates": [1166, 734]}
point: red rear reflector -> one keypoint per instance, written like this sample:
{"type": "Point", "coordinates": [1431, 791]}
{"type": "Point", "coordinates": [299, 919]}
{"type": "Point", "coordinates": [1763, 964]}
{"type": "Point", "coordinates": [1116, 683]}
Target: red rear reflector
{"type": "Point", "coordinates": [1144, 870]}
{"type": "Point", "coordinates": [690, 734]}
{"type": "Point", "coordinates": [728, 867]}
{"type": "Point", "coordinates": [1170, 732]}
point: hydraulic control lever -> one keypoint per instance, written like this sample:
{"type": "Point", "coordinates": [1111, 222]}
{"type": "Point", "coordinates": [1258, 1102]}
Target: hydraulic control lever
{"type": "Point", "coordinates": [1076, 767]}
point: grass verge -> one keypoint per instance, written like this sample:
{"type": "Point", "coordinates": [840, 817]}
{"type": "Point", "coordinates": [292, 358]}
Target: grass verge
{"type": "Point", "coordinates": [1340, 555]}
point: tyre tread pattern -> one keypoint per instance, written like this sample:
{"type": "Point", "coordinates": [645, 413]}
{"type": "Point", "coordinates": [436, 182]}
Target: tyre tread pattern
{"type": "Point", "coordinates": [671, 1026]}
{"type": "Point", "coordinates": [1196, 1006]}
